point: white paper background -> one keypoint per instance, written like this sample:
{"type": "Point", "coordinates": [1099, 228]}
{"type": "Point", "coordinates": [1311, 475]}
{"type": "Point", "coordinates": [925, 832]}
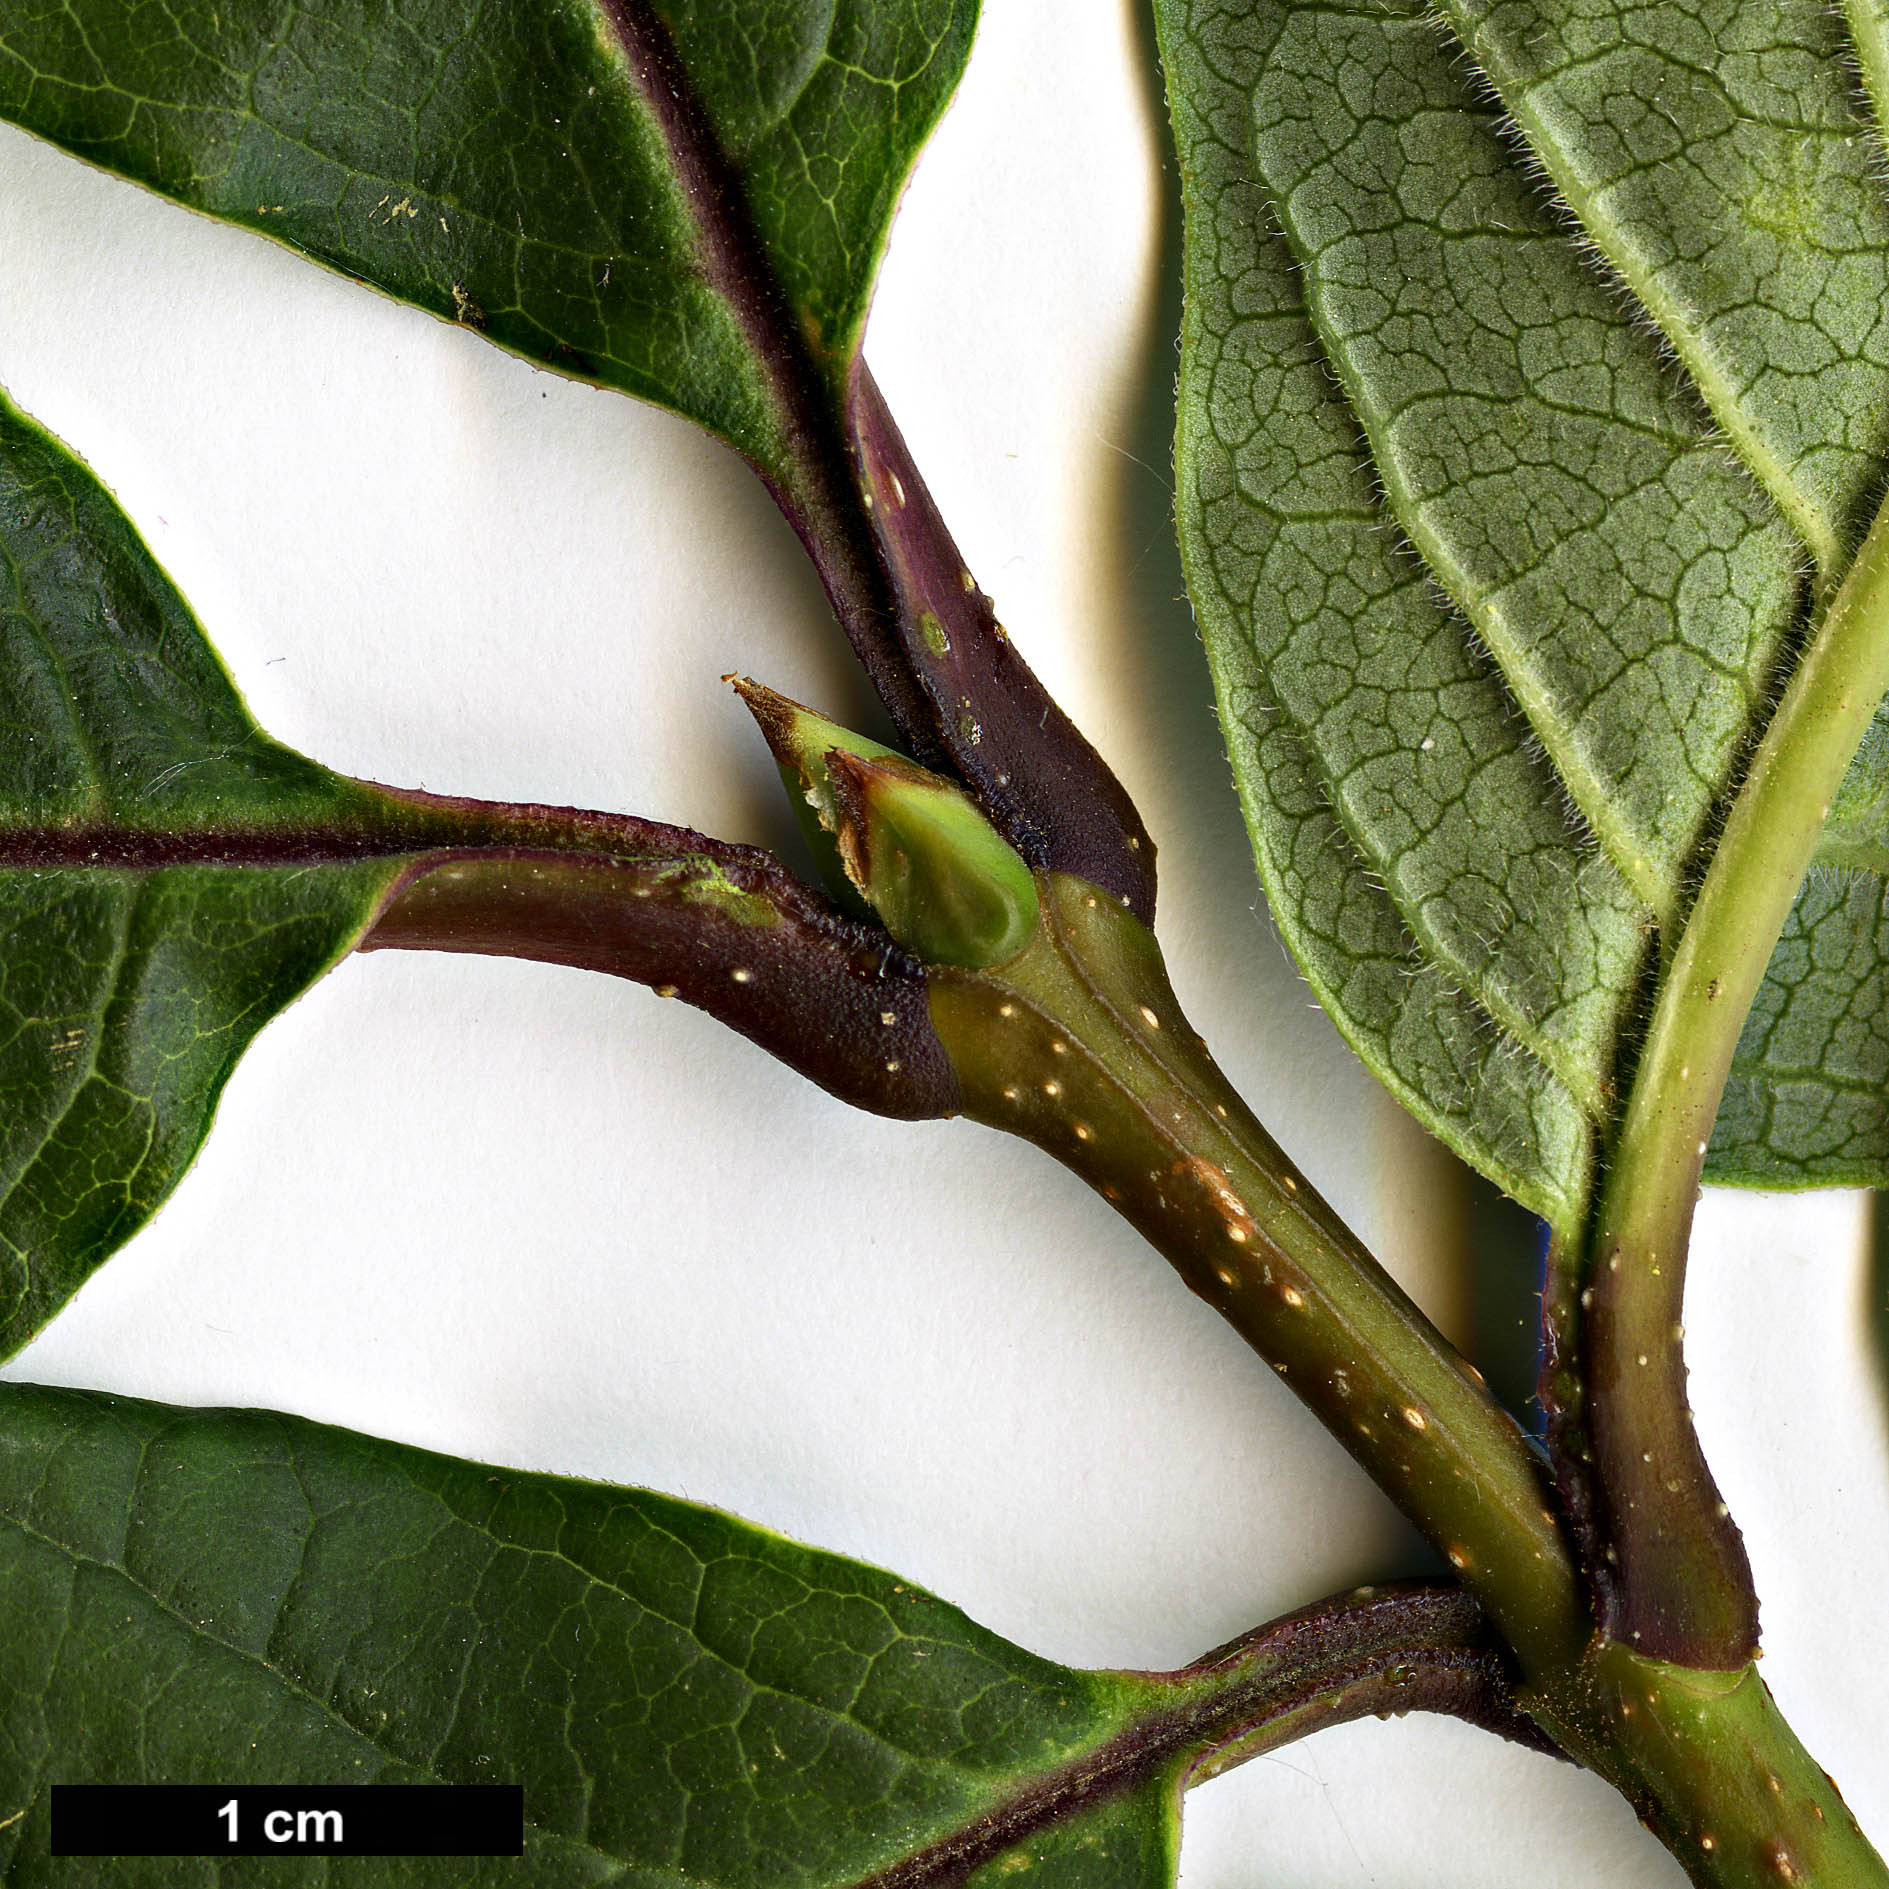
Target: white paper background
{"type": "Point", "coordinates": [549, 1220]}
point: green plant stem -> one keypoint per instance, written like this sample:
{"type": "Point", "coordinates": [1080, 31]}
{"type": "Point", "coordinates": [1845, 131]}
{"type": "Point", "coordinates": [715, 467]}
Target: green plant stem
{"type": "Point", "coordinates": [1680, 1588]}
{"type": "Point", "coordinates": [1713, 1770]}
{"type": "Point", "coordinates": [1079, 1045]}
{"type": "Point", "coordinates": [1382, 1651]}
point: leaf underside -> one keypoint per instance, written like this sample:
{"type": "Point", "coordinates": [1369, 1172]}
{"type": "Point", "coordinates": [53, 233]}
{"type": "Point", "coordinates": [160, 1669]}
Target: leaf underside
{"type": "Point", "coordinates": [508, 164]}
{"type": "Point", "coordinates": [1534, 395]}
{"type": "Point", "coordinates": [680, 199]}
{"type": "Point", "coordinates": [1535, 392]}
{"type": "Point", "coordinates": [233, 1596]}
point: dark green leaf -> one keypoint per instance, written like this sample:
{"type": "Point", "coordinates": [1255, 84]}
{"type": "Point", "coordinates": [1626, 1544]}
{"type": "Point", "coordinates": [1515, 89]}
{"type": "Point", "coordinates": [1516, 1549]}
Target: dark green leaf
{"type": "Point", "coordinates": [661, 199]}
{"type": "Point", "coordinates": [1495, 610]}
{"type": "Point", "coordinates": [229, 1596]}
{"type": "Point", "coordinates": [685, 200]}
{"type": "Point", "coordinates": [135, 966]}
{"type": "Point", "coordinates": [170, 878]}
{"type": "Point", "coordinates": [216, 1595]}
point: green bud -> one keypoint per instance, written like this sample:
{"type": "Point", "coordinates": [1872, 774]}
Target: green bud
{"type": "Point", "coordinates": [940, 878]}
{"type": "Point", "coordinates": [944, 881]}
{"type": "Point", "coordinates": [801, 741]}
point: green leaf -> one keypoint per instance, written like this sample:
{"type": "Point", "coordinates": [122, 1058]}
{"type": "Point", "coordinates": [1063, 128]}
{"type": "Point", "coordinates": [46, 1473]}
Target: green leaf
{"type": "Point", "coordinates": [135, 963]}
{"type": "Point", "coordinates": [681, 199]}
{"type": "Point", "coordinates": [1808, 1100]}
{"type": "Point", "coordinates": [1130, 1839]}
{"type": "Point", "coordinates": [676, 201]}
{"type": "Point", "coordinates": [233, 1596]}
{"type": "Point", "coordinates": [1857, 832]}
{"type": "Point", "coordinates": [1718, 161]}
{"type": "Point", "coordinates": [223, 1595]}
{"type": "Point", "coordinates": [170, 879]}
{"type": "Point", "coordinates": [1497, 566]}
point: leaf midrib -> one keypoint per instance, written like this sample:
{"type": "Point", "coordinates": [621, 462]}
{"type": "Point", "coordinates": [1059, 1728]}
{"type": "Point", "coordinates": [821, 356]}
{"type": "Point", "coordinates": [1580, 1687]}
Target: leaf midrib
{"type": "Point", "coordinates": [157, 849]}
{"type": "Point", "coordinates": [198, 1630]}
{"type": "Point", "coordinates": [730, 255]}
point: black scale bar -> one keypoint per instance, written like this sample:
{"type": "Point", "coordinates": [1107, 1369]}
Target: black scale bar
{"type": "Point", "coordinates": [290, 1820]}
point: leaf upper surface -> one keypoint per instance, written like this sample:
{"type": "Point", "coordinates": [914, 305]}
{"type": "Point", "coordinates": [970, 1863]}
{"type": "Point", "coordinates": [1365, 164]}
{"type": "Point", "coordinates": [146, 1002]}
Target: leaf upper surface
{"type": "Point", "coordinates": [1493, 605]}
{"type": "Point", "coordinates": [171, 878]}
{"type": "Point", "coordinates": [129, 987]}
{"type": "Point", "coordinates": [113, 708]}
{"type": "Point", "coordinates": [683, 1697]}
{"type": "Point", "coordinates": [518, 165]}
{"type": "Point", "coordinates": [125, 1001]}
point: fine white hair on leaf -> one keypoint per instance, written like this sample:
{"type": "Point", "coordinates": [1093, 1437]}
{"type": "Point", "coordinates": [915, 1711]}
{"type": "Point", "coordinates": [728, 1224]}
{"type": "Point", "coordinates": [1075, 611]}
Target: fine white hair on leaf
{"type": "Point", "coordinates": [1602, 267]}
{"type": "Point", "coordinates": [1850, 59]}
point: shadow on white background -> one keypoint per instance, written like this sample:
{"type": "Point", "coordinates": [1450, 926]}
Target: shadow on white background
{"type": "Point", "coordinates": [548, 1220]}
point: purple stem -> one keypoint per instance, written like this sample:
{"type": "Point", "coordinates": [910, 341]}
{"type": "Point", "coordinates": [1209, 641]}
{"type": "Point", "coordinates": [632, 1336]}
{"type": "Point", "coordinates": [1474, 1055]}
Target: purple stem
{"type": "Point", "coordinates": [726, 928]}
{"type": "Point", "coordinates": [1045, 789]}
{"type": "Point", "coordinates": [1404, 1648]}
{"type": "Point", "coordinates": [962, 699]}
